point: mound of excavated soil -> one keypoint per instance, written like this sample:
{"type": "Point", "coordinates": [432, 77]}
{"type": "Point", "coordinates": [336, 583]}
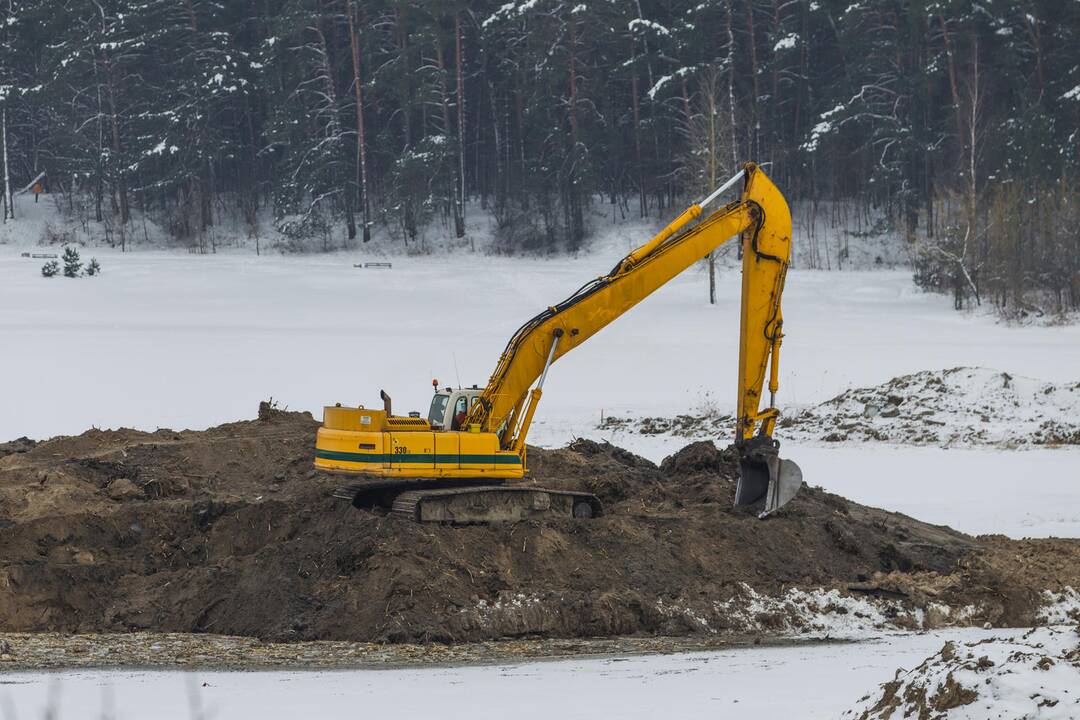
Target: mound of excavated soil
{"type": "Point", "coordinates": [963, 406]}
{"type": "Point", "coordinates": [231, 531]}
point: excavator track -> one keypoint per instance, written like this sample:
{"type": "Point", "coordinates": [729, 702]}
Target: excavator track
{"type": "Point", "coordinates": [494, 503]}
{"type": "Point", "coordinates": [382, 492]}
{"type": "Point", "coordinates": [463, 501]}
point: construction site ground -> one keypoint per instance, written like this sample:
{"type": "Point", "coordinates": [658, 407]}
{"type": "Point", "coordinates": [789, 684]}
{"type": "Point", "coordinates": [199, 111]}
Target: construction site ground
{"type": "Point", "coordinates": [230, 534]}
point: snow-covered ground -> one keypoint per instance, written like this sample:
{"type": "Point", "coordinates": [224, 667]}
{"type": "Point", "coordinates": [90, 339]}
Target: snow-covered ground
{"type": "Point", "coordinates": [1036, 675]}
{"type": "Point", "coordinates": [801, 681]}
{"type": "Point", "coordinates": [1028, 493]}
{"type": "Point", "coordinates": [164, 339]}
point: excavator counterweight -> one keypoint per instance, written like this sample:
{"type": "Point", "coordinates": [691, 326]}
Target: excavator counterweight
{"type": "Point", "coordinates": [460, 464]}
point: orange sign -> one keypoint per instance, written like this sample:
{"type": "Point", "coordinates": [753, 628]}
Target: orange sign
{"type": "Point", "coordinates": [37, 189]}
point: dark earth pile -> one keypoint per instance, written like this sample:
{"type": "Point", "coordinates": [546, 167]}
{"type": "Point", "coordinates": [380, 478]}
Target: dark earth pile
{"type": "Point", "coordinates": [231, 531]}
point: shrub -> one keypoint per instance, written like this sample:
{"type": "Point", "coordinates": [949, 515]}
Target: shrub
{"type": "Point", "coordinates": [54, 235]}
{"type": "Point", "coordinates": [93, 267]}
{"type": "Point", "coordinates": [72, 263]}
{"type": "Point", "coordinates": [50, 268]}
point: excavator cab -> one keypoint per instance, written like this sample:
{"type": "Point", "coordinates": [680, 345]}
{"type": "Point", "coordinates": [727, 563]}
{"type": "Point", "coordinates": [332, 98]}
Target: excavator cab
{"type": "Point", "coordinates": [450, 407]}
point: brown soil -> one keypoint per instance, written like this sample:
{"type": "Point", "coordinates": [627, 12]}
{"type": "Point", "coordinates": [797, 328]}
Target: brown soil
{"type": "Point", "coordinates": [231, 531]}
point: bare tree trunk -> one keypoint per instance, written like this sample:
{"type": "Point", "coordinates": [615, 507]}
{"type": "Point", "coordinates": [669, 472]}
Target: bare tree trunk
{"type": "Point", "coordinates": [519, 118]}
{"type": "Point", "coordinates": [455, 202]}
{"type": "Point", "coordinates": [9, 206]}
{"type": "Point", "coordinates": [731, 93]}
{"type": "Point", "coordinates": [1036, 41]}
{"type": "Point", "coordinates": [643, 202]}
{"type": "Point", "coordinates": [973, 198]}
{"type": "Point", "coordinates": [404, 51]}
{"type": "Point", "coordinates": [332, 97]}
{"type": "Point", "coordinates": [709, 96]}
{"type": "Point", "coordinates": [753, 127]}
{"type": "Point", "coordinates": [114, 122]}
{"type": "Point", "coordinates": [110, 92]}
{"type": "Point", "coordinates": [99, 185]}
{"type": "Point", "coordinates": [361, 149]}
{"type": "Point", "coordinates": [573, 193]}
{"type": "Point", "coordinates": [706, 158]}
{"type": "Point", "coordinates": [460, 120]}
{"type": "Point", "coordinates": [953, 88]}
{"type": "Point", "coordinates": [502, 184]}
{"type": "Point", "coordinates": [731, 84]}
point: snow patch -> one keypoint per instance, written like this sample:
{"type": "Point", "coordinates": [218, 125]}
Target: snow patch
{"type": "Point", "coordinates": [643, 24]}
{"type": "Point", "coordinates": [508, 9]}
{"type": "Point", "coordinates": [817, 612]}
{"type": "Point", "coordinates": [796, 613]}
{"type": "Point", "coordinates": [659, 84]}
{"type": "Point", "coordinates": [786, 43]}
{"type": "Point", "coordinates": [162, 148]}
{"type": "Point", "coordinates": [1061, 607]}
{"type": "Point", "coordinates": [1035, 675]}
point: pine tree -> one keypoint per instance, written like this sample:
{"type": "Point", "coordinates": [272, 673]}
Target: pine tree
{"type": "Point", "coordinates": [72, 262]}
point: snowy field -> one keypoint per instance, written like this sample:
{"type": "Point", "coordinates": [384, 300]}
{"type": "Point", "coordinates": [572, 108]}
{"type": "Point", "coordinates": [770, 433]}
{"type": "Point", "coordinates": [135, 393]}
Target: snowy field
{"type": "Point", "coordinates": [176, 340]}
{"type": "Point", "coordinates": [186, 341]}
{"type": "Point", "coordinates": [761, 683]}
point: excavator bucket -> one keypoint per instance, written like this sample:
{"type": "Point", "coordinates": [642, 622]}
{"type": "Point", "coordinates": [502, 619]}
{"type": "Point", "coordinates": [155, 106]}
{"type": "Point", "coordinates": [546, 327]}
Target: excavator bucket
{"type": "Point", "coordinates": [765, 477]}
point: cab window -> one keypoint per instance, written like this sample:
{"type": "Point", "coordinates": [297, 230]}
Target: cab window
{"type": "Point", "coordinates": [437, 414]}
{"type": "Point", "coordinates": [461, 411]}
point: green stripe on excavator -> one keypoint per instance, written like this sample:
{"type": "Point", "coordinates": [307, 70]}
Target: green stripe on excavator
{"type": "Point", "coordinates": [379, 459]}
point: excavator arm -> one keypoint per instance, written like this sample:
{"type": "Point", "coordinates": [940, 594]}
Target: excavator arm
{"type": "Point", "coordinates": [762, 219]}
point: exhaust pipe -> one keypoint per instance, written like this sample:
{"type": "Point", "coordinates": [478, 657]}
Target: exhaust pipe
{"type": "Point", "coordinates": [385, 402]}
{"type": "Point", "coordinates": [764, 476]}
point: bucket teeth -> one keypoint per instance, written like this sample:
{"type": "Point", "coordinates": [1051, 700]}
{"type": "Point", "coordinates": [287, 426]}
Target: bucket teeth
{"type": "Point", "coordinates": [764, 477]}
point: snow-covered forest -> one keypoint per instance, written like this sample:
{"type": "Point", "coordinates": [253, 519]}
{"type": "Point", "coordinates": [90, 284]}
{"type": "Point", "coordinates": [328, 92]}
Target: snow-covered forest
{"type": "Point", "coordinates": [952, 125]}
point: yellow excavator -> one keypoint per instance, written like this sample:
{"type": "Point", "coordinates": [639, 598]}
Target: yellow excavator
{"type": "Point", "coordinates": [459, 464]}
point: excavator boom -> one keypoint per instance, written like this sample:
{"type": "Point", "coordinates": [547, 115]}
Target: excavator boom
{"type": "Point", "coordinates": [762, 219]}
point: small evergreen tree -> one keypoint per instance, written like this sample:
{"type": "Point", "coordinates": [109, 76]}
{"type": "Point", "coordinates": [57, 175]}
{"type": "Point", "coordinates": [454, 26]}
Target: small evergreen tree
{"type": "Point", "coordinates": [92, 267]}
{"type": "Point", "coordinates": [72, 263]}
{"type": "Point", "coordinates": [50, 268]}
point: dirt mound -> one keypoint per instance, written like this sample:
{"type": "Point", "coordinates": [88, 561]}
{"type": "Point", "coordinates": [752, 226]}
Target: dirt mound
{"type": "Point", "coordinates": [230, 530]}
{"type": "Point", "coordinates": [18, 445]}
{"type": "Point", "coordinates": [966, 406]}
{"type": "Point", "coordinates": [962, 406]}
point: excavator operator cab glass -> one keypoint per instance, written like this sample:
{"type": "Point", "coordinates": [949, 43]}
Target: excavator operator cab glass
{"type": "Point", "coordinates": [461, 411]}
{"type": "Point", "coordinates": [437, 413]}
